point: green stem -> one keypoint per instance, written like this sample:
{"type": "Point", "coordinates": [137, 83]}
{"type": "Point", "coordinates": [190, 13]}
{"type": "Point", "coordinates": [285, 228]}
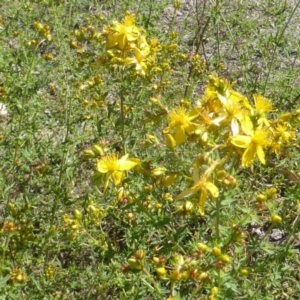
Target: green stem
{"type": "Point", "coordinates": [123, 122]}
{"type": "Point", "coordinates": [152, 280]}
{"type": "Point", "coordinates": [218, 209]}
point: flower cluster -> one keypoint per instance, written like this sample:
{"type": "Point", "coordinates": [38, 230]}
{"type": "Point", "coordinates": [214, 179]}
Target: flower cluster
{"type": "Point", "coordinates": [126, 44]}
{"type": "Point", "coordinates": [224, 119]}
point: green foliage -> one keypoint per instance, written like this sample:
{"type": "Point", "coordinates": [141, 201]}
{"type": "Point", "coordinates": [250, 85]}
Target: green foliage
{"type": "Point", "coordinates": [139, 159]}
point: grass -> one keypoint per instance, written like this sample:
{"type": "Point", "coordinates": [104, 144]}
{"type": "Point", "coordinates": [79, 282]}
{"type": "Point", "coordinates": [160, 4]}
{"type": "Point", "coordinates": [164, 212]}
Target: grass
{"type": "Point", "coordinates": [63, 236]}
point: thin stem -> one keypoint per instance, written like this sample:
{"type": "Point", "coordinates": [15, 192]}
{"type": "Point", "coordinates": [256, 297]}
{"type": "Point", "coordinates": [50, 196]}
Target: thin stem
{"type": "Point", "coordinates": [218, 208]}
{"type": "Point", "coordinates": [152, 280]}
{"type": "Point", "coordinates": [200, 32]}
{"type": "Point", "coordinates": [278, 38]}
{"type": "Point", "coordinates": [123, 122]}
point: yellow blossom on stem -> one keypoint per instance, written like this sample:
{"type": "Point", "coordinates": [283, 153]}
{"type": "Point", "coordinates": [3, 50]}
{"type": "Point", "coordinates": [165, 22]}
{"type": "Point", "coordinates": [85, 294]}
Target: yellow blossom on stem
{"type": "Point", "coordinates": [232, 114]}
{"type": "Point", "coordinates": [202, 184]}
{"type": "Point", "coordinates": [122, 34]}
{"type": "Point", "coordinates": [114, 167]}
{"type": "Point", "coordinates": [262, 107]}
{"type": "Point", "coordinates": [253, 142]}
{"type": "Point", "coordinates": [140, 61]}
{"type": "Point", "coordinates": [218, 92]}
{"type": "Point", "coordinates": [181, 123]}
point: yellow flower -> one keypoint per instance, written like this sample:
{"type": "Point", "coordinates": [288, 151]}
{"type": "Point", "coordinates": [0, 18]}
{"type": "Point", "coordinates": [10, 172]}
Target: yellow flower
{"type": "Point", "coordinates": [262, 107]}
{"type": "Point", "coordinates": [202, 184]}
{"type": "Point", "coordinates": [121, 35]}
{"type": "Point", "coordinates": [283, 134]}
{"type": "Point", "coordinates": [253, 142]}
{"type": "Point", "coordinates": [115, 167]}
{"type": "Point", "coordinates": [218, 92]}
{"type": "Point", "coordinates": [139, 60]}
{"type": "Point", "coordinates": [233, 112]}
{"type": "Point", "coordinates": [181, 123]}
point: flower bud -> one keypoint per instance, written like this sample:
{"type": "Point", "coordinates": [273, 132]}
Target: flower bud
{"type": "Point", "coordinates": [285, 117]}
{"type": "Point", "coordinates": [139, 254]}
{"type": "Point", "coordinates": [177, 260]}
{"type": "Point", "coordinates": [204, 276]}
{"type": "Point", "coordinates": [120, 193]}
{"type": "Point", "coordinates": [175, 275]}
{"type": "Point", "coordinates": [225, 258]}
{"type": "Point", "coordinates": [170, 141]}
{"type": "Point", "coordinates": [204, 137]}
{"type": "Point", "coordinates": [156, 260]}
{"type": "Point", "coordinates": [87, 153]}
{"type": "Point", "coordinates": [158, 171]}
{"type": "Point", "coordinates": [98, 150]}
{"type": "Point", "coordinates": [169, 179]}
{"type": "Point", "coordinates": [216, 251]}
{"type": "Point", "coordinates": [77, 214]}
{"type": "Point", "coordinates": [92, 209]}
{"type": "Point", "coordinates": [275, 219]}
{"type": "Point", "coordinates": [229, 180]}
{"type": "Point", "coordinates": [221, 174]}
{"type": "Point", "coordinates": [161, 272]}
{"type": "Point", "coordinates": [271, 193]}
{"type": "Point", "coordinates": [188, 207]}
{"type": "Point", "coordinates": [134, 264]}
{"type": "Point", "coordinates": [202, 247]}
{"type": "Point", "coordinates": [214, 291]}
{"type": "Point", "coordinates": [261, 198]}
{"type": "Point", "coordinates": [244, 272]}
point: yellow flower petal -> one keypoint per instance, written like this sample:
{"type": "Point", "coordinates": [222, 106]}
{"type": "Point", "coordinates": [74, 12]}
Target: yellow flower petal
{"type": "Point", "coordinates": [103, 166]}
{"type": "Point", "coordinates": [260, 154]}
{"type": "Point", "coordinates": [202, 200]}
{"type": "Point", "coordinates": [186, 193]}
{"type": "Point", "coordinates": [125, 164]}
{"type": "Point", "coordinates": [171, 143]}
{"type": "Point", "coordinates": [118, 177]}
{"type": "Point", "coordinates": [179, 136]}
{"type": "Point", "coordinates": [262, 104]}
{"type": "Point", "coordinates": [212, 189]}
{"type": "Point", "coordinates": [241, 141]}
{"type": "Point", "coordinates": [107, 181]}
{"type": "Point", "coordinates": [247, 125]}
{"type": "Point", "coordinates": [235, 127]}
{"type": "Point", "coordinates": [249, 155]}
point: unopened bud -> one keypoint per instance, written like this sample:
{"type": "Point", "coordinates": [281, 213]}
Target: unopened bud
{"type": "Point", "coordinates": [244, 272]}
{"type": "Point", "coordinates": [98, 150]}
{"type": "Point", "coordinates": [271, 193]}
{"type": "Point", "coordinates": [161, 271]}
{"type": "Point", "coordinates": [175, 275]}
{"type": "Point", "coordinates": [275, 219]}
{"type": "Point", "coordinates": [170, 141]}
{"type": "Point", "coordinates": [87, 153]}
{"type": "Point", "coordinates": [202, 247]}
{"type": "Point", "coordinates": [225, 258]}
{"type": "Point", "coordinates": [134, 264]}
{"type": "Point", "coordinates": [216, 251]}
{"type": "Point", "coordinates": [204, 276]}
{"type": "Point", "coordinates": [229, 180]}
{"type": "Point", "coordinates": [169, 179]}
{"type": "Point", "coordinates": [214, 291]}
{"type": "Point", "coordinates": [139, 254]}
{"type": "Point", "coordinates": [188, 206]}
{"type": "Point", "coordinates": [158, 171]}
{"type": "Point", "coordinates": [261, 198]}
{"type": "Point", "coordinates": [77, 214]}
{"type": "Point", "coordinates": [221, 174]}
